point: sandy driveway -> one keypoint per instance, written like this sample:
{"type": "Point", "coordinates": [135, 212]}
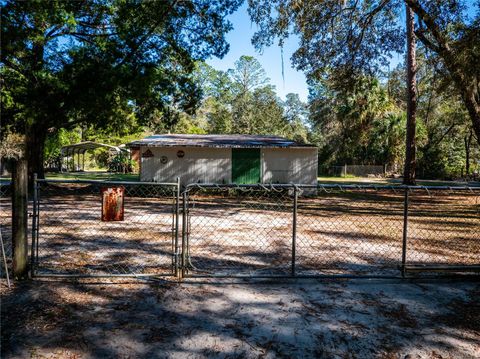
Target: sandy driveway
{"type": "Point", "coordinates": [242, 319]}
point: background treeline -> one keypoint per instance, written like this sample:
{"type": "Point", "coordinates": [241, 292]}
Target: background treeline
{"type": "Point", "coordinates": [112, 71]}
{"type": "Point", "coordinates": [360, 123]}
{"type": "Point", "coordinates": [364, 123]}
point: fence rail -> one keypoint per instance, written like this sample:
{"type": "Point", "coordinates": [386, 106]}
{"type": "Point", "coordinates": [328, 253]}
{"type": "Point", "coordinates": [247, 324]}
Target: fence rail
{"type": "Point", "coordinates": [275, 230]}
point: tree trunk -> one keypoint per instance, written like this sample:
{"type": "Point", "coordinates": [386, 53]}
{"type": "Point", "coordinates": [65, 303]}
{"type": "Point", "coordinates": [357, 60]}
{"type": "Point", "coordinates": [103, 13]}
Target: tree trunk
{"type": "Point", "coordinates": [410, 158]}
{"type": "Point", "coordinates": [468, 142]}
{"type": "Point", "coordinates": [466, 84]}
{"type": "Point", "coordinates": [35, 144]}
{"type": "Point", "coordinates": [473, 108]}
{"type": "Point", "coordinates": [36, 133]}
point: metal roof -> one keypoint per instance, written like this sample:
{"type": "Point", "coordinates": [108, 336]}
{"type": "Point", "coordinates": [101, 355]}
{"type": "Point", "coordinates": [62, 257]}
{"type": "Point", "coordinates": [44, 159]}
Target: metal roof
{"type": "Point", "coordinates": [222, 141]}
{"type": "Point", "coordinates": [81, 147]}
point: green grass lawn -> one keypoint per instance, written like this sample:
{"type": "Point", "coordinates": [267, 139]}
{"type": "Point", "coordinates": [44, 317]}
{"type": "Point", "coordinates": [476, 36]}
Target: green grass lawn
{"type": "Point", "coordinates": [94, 176]}
{"type": "Point", "coordinates": [390, 181]}
{"type": "Point", "coordinates": [330, 180]}
{"type": "Point", "coordinates": [133, 177]}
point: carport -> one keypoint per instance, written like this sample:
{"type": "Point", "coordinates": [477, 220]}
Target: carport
{"type": "Point", "coordinates": [78, 150]}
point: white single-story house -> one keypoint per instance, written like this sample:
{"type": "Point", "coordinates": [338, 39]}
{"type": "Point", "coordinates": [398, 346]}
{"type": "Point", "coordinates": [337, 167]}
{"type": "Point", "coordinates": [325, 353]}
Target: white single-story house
{"type": "Point", "coordinates": [241, 159]}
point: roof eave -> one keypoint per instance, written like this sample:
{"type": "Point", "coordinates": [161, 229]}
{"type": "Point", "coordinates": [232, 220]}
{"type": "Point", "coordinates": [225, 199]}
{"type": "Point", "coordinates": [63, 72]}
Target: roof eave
{"type": "Point", "coordinates": [147, 144]}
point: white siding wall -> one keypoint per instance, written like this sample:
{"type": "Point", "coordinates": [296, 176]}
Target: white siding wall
{"type": "Point", "coordinates": [290, 165]}
{"type": "Point", "coordinates": [204, 165]}
{"type": "Point", "coordinates": [214, 165]}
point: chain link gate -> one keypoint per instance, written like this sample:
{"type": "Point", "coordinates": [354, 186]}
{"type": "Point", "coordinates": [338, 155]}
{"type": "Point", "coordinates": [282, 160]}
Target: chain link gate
{"type": "Point", "coordinates": [350, 231]}
{"type": "Point", "coordinates": [237, 230]}
{"type": "Point", "coordinates": [328, 230]}
{"type": "Point", "coordinates": [72, 237]}
{"type": "Point", "coordinates": [443, 229]}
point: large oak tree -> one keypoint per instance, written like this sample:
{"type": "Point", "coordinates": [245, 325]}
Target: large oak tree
{"type": "Point", "coordinates": [64, 63]}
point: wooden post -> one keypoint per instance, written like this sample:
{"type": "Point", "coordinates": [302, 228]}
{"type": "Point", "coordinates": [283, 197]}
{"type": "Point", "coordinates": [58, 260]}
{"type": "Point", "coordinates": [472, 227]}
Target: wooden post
{"type": "Point", "coordinates": [19, 219]}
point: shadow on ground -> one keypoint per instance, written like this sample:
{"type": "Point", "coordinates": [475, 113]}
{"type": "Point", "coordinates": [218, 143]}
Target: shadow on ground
{"type": "Point", "coordinates": [242, 319]}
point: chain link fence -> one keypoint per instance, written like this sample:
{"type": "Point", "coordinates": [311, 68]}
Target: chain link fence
{"type": "Point", "coordinates": [350, 230]}
{"type": "Point", "coordinates": [245, 230]}
{"type": "Point", "coordinates": [71, 237]}
{"type": "Point", "coordinates": [287, 230]}
{"type": "Point", "coordinates": [249, 230]}
{"type": "Point", "coordinates": [6, 224]}
{"type": "Point", "coordinates": [443, 228]}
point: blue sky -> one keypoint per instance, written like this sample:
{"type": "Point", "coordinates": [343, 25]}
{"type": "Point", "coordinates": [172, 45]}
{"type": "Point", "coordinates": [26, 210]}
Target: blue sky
{"type": "Point", "coordinates": [240, 44]}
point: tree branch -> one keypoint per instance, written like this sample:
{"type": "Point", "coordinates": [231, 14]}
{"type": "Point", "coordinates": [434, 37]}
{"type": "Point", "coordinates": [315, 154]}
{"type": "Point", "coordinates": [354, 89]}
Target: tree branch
{"type": "Point", "coordinates": [443, 48]}
{"type": "Point", "coordinates": [14, 67]}
{"type": "Point", "coordinates": [368, 21]}
{"type": "Point", "coordinates": [49, 35]}
{"type": "Point", "coordinates": [146, 36]}
{"type": "Point", "coordinates": [431, 25]}
{"type": "Point", "coordinates": [73, 33]}
{"type": "Point", "coordinates": [436, 143]}
{"type": "Point", "coordinates": [420, 34]}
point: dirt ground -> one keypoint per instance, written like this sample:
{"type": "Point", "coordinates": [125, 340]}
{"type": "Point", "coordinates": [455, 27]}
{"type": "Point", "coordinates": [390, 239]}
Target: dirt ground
{"type": "Point", "coordinates": [242, 319]}
{"type": "Point", "coordinates": [356, 232]}
{"type": "Point", "coordinates": [349, 232]}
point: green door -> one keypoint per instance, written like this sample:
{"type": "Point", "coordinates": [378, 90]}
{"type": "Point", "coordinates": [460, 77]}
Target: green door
{"type": "Point", "coordinates": [245, 165]}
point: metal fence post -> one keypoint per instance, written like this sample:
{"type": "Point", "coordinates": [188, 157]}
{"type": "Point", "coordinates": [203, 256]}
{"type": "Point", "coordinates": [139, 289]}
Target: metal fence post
{"type": "Point", "coordinates": [184, 232]}
{"type": "Point", "coordinates": [294, 228]}
{"type": "Point", "coordinates": [405, 232]}
{"type": "Point", "coordinates": [177, 218]}
{"type": "Point", "coordinates": [34, 226]}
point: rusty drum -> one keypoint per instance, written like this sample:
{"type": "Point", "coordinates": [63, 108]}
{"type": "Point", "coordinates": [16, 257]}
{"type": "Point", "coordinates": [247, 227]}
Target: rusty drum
{"type": "Point", "coordinates": [112, 203]}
